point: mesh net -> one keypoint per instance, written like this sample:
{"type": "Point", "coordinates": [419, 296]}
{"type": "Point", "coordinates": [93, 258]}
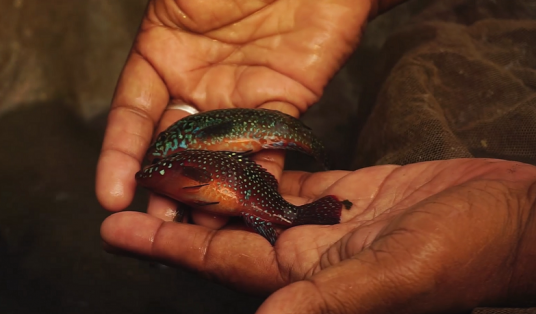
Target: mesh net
{"type": "Point", "coordinates": [458, 81]}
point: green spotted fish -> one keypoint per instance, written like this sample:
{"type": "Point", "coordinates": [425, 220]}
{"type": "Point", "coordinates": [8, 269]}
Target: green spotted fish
{"type": "Point", "coordinates": [230, 184]}
{"type": "Point", "coordinates": [237, 130]}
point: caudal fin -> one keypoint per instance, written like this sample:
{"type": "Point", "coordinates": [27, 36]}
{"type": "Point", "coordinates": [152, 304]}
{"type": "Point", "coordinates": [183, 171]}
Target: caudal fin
{"type": "Point", "coordinates": [324, 211]}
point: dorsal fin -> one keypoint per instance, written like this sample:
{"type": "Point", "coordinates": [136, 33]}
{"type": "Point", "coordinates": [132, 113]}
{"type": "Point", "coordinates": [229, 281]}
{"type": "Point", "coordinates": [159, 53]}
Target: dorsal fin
{"type": "Point", "coordinates": [261, 171]}
{"type": "Point", "coordinates": [268, 177]}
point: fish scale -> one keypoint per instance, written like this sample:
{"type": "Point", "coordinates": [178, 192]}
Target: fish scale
{"type": "Point", "coordinates": [238, 130]}
{"type": "Point", "coordinates": [229, 183]}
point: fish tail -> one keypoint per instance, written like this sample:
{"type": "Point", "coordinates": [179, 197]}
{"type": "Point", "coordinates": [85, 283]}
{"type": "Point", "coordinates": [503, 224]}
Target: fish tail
{"type": "Point", "coordinates": [324, 211]}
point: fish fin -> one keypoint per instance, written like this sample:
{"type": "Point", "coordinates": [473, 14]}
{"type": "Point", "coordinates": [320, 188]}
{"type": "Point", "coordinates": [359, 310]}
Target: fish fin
{"type": "Point", "coordinates": [216, 129]}
{"type": "Point", "coordinates": [201, 203]}
{"type": "Point", "coordinates": [261, 226]}
{"type": "Point", "coordinates": [269, 178]}
{"type": "Point", "coordinates": [347, 204]}
{"type": "Point", "coordinates": [194, 188]}
{"type": "Point", "coordinates": [266, 176]}
{"type": "Point", "coordinates": [259, 170]}
{"type": "Point", "coordinates": [324, 211]}
{"type": "Point", "coordinates": [196, 174]}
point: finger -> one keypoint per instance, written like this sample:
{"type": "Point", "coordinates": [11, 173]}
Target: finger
{"type": "Point", "coordinates": [208, 220]}
{"type": "Point", "coordinates": [274, 160]}
{"type": "Point", "coordinates": [271, 160]}
{"type": "Point", "coordinates": [162, 207]}
{"type": "Point", "coordinates": [167, 209]}
{"type": "Point", "coordinates": [283, 107]}
{"type": "Point", "coordinates": [140, 98]}
{"type": "Point", "coordinates": [242, 259]}
{"type": "Point", "coordinates": [169, 117]}
{"type": "Point", "coordinates": [113, 250]}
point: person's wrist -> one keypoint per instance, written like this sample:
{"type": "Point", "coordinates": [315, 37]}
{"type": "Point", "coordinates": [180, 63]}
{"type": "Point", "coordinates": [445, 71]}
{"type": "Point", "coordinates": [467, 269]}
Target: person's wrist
{"type": "Point", "coordinates": [522, 286]}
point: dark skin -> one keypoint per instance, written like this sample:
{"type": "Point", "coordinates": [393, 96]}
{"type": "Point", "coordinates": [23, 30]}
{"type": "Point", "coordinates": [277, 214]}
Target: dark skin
{"type": "Point", "coordinates": [428, 237]}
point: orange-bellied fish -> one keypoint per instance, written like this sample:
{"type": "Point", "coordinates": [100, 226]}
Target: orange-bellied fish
{"type": "Point", "coordinates": [230, 184]}
{"type": "Point", "coordinates": [237, 130]}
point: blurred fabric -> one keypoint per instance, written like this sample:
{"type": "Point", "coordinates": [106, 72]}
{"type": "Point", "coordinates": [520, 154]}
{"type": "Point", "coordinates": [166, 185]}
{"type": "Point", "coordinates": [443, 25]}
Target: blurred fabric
{"type": "Point", "coordinates": [64, 51]}
{"type": "Point", "coordinates": [459, 80]}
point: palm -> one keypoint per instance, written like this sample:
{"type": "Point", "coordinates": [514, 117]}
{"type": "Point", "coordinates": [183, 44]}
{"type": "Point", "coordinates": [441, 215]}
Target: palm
{"type": "Point", "coordinates": [380, 194]}
{"type": "Point", "coordinates": [271, 54]}
{"type": "Point", "coordinates": [382, 197]}
{"type": "Point", "coordinates": [229, 53]}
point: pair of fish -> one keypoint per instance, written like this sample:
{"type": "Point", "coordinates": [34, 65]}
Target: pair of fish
{"type": "Point", "coordinates": [202, 161]}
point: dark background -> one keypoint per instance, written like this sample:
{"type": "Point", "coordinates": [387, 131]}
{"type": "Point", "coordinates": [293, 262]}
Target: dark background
{"type": "Point", "coordinates": [59, 61]}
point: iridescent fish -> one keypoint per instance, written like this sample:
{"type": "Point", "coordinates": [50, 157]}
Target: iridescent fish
{"type": "Point", "coordinates": [230, 184]}
{"type": "Point", "coordinates": [237, 130]}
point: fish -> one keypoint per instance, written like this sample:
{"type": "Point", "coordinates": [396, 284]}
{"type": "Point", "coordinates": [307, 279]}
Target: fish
{"type": "Point", "coordinates": [231, 184]}
{"type": "Point", "coordinates": [238, 130]}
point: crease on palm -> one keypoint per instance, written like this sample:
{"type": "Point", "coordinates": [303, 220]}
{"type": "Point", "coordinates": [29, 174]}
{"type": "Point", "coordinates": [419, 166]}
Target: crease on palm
{"type": "Point", "coordinates": [252, 41]}
{"type": "Point", "coordinates": [353, 242]}
{"type": "Point", "coordinates": [192, 15]}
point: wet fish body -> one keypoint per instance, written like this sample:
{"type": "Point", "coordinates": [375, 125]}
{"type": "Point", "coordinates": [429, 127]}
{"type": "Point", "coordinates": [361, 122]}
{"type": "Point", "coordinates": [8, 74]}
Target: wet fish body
{"type": "Point", "coordinates": [238, 130]}
{"type": "Point", "coordinates": [230, 184]}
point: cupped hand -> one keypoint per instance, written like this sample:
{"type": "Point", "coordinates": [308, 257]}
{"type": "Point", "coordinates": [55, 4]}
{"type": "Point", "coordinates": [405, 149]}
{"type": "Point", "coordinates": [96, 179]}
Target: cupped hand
{"type": "Point", "coordinates": [430, 236]}
{"type": "Point", "coordinates": [276, 54]}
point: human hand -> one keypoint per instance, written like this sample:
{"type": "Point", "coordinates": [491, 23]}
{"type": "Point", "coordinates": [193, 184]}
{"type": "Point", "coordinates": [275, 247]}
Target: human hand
{"type": "Point", "coordinates": [270, 54]}
{"type": "Point", "coordinates": [433, 236]}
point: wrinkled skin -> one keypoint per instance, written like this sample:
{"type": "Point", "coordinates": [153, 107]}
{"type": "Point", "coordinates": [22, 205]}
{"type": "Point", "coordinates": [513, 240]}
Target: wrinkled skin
{"type": "Point", "coordinates": [242, 53]}
{"type": "Point", "coordinates": [429, 236]}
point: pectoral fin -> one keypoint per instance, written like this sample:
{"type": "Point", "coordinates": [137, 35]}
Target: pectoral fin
{"type": "Point", "coordinates": [194, 188]}
{"type": "Point", "coordinates": [201, 203]}
{"type": "Point", "coordinates": [261, 226]}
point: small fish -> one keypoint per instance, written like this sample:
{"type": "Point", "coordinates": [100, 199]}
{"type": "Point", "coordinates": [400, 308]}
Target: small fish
{"type": "Point", "coordinates": [237, 130]}
{"type": "Point", "coordinates": [230, 184]}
